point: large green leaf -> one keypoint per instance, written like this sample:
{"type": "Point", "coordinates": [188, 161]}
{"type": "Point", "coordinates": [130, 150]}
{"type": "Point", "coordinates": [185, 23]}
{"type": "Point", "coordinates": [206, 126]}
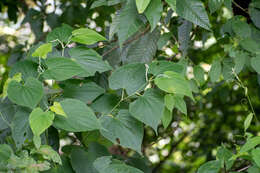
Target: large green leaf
{"type": "Point", "coordinates": [250, 45]}
{"type": "Point", "coordinates": [215, 71]}
{"type": "Point", "coordinates": [255, 63]}
{"type": "Point", "coordinates": [194, 11]}
{"type": "Point", "coordinates": [17, 77]}
{"type": "Point", "coordinates": [250, 144]}
{"type": "Point", "coordinates": [86, 36]}
{"type": "Point", "coordinates": [210, 167]}
{"type": "Point", "coordinates": [62, 34]}
{"type": "Point", "coordinates": [7, 112]}
{"type": "Point", "coordinates": [173, 82]}
{"type": "Point", "coordinates": [106, 164]}
{"type": "Point", "coordinates": [5, 152]}
{"type": "Point", "coordinates": [241, 28]}
{"type": "Point", "coordinates": [61, 68]}
{"type": "Point", "coordinates": [29, 94]}
{"type": "Point", "coordinates": [79, 117]}
{"type": "Point", "coordinates": [129, 22]}
{"type": "Point", "coordinates": [89, 60]}
{"type": "Point", "coordinates": [225, 156]}
{"type": "Point", "coordinates": [40, 121]}
{"type": "Point", "coordinates": [153, 12]}
{"type": "Point", "coordinates": [159, 67]}
{"type": "Point", "coordinates": [142, 5]}
{"type": "Point", "coordinates": [124, 130]}
{"type": "Point", "coordinates": [256, 156]}
{"type": "Point", "coordinates": [86, 92]}
{"type": "Point", "coordinates": [105, 103]}
{"type": "Point", "coordinates": [148, 108]}
{"type": "Point", "coordinates": [130, 77]}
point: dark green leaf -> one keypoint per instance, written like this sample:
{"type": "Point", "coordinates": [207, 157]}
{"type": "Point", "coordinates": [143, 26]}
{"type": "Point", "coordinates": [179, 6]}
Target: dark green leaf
{"type": "Point", "coordinates": [255, 63]}
{"type": "Point", "coordinates": [105, 103]}
{"type": "Point", "coordinates": [153, 12]}
{"type": "Point", "coordinates": [210, 167]}
{"type": "Point", "coordinates": [214, 5]}
{"type": "Point", "coordinates": [215, 71]}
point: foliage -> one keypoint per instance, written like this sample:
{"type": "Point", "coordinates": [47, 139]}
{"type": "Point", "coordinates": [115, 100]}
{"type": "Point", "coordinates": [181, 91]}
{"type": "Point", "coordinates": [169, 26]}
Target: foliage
{"type": "Point", "coordinates": [104, 98]}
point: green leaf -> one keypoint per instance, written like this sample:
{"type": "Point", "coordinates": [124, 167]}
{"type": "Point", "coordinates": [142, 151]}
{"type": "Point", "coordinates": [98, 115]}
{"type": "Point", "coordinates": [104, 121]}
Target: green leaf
{"type": "Point", "coordinates": [253, 169]}
{"type": "Point", "coordinates": [228, 66]}
{"type": "Point", "coordinates": [106, 164]}
{"type": "Point", "coordinates": [124, 130]}
{"type": "Point", "coordinates": [20, 127]}
{"type": "Point", "coordinates": [79, 117]}
{"type": "Point", "coordinates": [194, 11]}
{"type": "Point", "coordinates": [40, 121]}
{"type": "Point", "coordinates": [255, 63]}
{"type": "Point", "coordinates": [57, 109]}
{"type": "Point", "coordinates": [210, 167]}
{"type": "Point", "coordinates": [86, 92]}
{"type": "Point", "coordinates": [130, 77]}
{"type": "Point", "coordinates": [247, 121]}
{"type": "Point", "coordinates": [254, 13]}
{"type": "Point", "coordinates": [225, 156]}
{"type": "Point", "coordinates": [105, 103]}
{"type": "Point", "coordinates": [98, 3]}
{"type": "Point", "coordinates": [129, 22]}
{"type": "Point", "coordinates": [250, 45]}
{"type": "Point", "coordinates": [61, 68]}
{"type": "Point", "coordinates": [42, 51]}
{"type": "Point", "coordinates": [86, 36]}
{"type": "Point", "coordinates": [215, 71]}
{"type": "Point", "coordinates": [169, 101]}
{"type": "Point", "coordinates": [7, 112]}
{"type": "Point", "coordinates": [159, 67]}
{"type": "Point", "coordinates": [167, 118]}
{"type": "Point", "coordinates": [180, 104]}
{"type": "Point", "coordinates": [62, 34]}
{"type": "Point", "coordinates": [148, 108]}
{"type": "Point", "coordinates": [48, 153]}
{"type": "Point", "coordinates": [240, 61]}
{"type": "Point", "coordinates": [214, 5]}
{"type": "Point", "coordinates": [173, 82]}
{"type": "Point", "coordinates": [142, 5]}
{"type": "Point", "coordinates": [172, 4]}
{"type": "Point", "coordinates": [184, 36]}
{"type": "Point", "coordinates": [89, 60]}
{"type": "Point", "coordinates": [17, 77]}
{"type": "Point", "coordinates": [250, 144]}
{"type": "Point", "coordinates": [28, 95]}
{"type": "Point", "coordinates": [5, 152]}
{"type": "Point", "coordinates": [153, 12]}
{"type": "Point", "coordinates": [199, 74]}
{"type": "Point", "coordinates": [256, 156]}
{"type": "Point", "coordinates": [241, 28]}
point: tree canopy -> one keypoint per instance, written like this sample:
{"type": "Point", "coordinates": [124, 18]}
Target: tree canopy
{"type": "Point", "coordinates": [136, 86]}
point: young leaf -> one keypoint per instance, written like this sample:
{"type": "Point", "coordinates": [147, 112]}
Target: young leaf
{"type": "Point", "coordinates": [142, 5]}
{"type": "Point", "coordinates": [56, 108]}
{"type": "Point", "coordinates": [123, 130]}
{"type": "Point", "coordinates": [199, 74]}
{"type": "Point", "coordinates": [130, 77]}
{"type": "Point", "coordinates": [28, 95]}
{"type": "Point", "coordinates": [153, 12]}
{"type": "Point", "coordinates": [167, 118]}
{"type": "Point", "coordinates": [247, 121]}
{"type": "Point", "coordinates": [86, 36]}
{"type": "Point", "coordinates": [173, 82]}
{"type": "Point", "coordinates": [40, 121]}
{"type": "Point", "coordinates": [79, 117]}
{"type": "Point", "coordinates": [148, 108]}
{"type": "Point", "coordinates": [42, 51]}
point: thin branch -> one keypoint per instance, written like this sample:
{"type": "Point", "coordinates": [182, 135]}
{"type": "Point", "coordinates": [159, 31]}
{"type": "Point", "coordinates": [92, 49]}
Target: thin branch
{"type": "Point", "coordinates": [237, 5]}
{"type": "Point", "coordinates": [243, 169]}
{"type": "Point", "coordinates": [128, 41]}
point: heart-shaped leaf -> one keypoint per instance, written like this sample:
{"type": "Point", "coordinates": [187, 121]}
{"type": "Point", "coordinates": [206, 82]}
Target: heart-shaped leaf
{"type": "Point", "coordinates": [28, 95]}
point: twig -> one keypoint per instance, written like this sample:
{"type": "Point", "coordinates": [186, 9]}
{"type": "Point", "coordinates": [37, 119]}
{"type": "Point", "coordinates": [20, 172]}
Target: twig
{"type": "Point", "coordinates": [128, 41]}
{"type": "Point", "coordinates": [239, 6]}
{"type": "Point", "coordinates": [243, 169]}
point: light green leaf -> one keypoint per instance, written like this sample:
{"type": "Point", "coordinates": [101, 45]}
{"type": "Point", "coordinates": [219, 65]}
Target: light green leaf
{"type": "Point", "coordinates": [172, 4]}
{"type": "Point", "coordinates": [194, 11]}
{"type": "Point", "coordinates": [159, 67]}
{"type": "Point", "coordinates": [199, 74]}
{"type": "Point", "coordinates": [173, 82]}
{"type": "Point", "coordinates": [124, 130]}
{"type": "Point", "coordinates": [169, 101]}
{"type": "Point", "coordinates": [214, 5]}
{"type": "Point", "coordinates": [5, 152]}
{"type": "Point", "coordinates": [86, 36]}
{"type": "Point", "coordinates": [180, 104]}
{"type": "Point", "coordinates": [79, 117]}
{"type": "Point", "coordinates": [106, 164]}
{"type": "Point", "coordinates": [250, 144]}
{"type": "Point", "coordinates": [37, 141]}
{"type": "Point", "coordinates": [129, 22]}
{"type": "Point", "coordinates": [62, 34]}
{"type": "Point", "coordinates": [48, 153]}
{"type": "Point", "coordinates": [61, 68]}
{"type": "Point", "coordinates": [142, 5]}
{"type": "Point", "coordinates": [40, 121]}
{"type": "Point", "coordinates": [215, 71]}
{"type": "Point", "coordinates": [148, 108]}
{"type": "Point", "coordinates": [247, 121]}
{"type": "Point", "coordinates": [42, 50]}
{"type": "Point", "coordinates": [167, 118]}
{"type": "Point", "coordinates": [89, 60]}
{"type": "Point", "coordinates": [194, 86]}
{"type": "Point", "coordinates": [255, 63]}
{"type": "Point", "coordinates": [130, 77]}
{"type": "Point", "coordinates": [253, 169]}
{"type": "Point", "coordinates": [153, 12]}
{"type": "Point", "coordinates": [17, 77]}
{"type": "Point", "coordinates": [28, 95]}
{"type": "Point", "coordinates": [57, 109]}
{"type": "Point", "coordinates": [210, 167]}
{"type": "Point", "coordinates": [256, 156]}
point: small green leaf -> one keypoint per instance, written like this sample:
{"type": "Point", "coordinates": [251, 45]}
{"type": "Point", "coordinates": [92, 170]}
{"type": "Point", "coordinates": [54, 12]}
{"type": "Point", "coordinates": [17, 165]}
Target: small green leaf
{"type": "Point", "coordinates": [56, 108]}
{"type": "Point", "coordinates": [5, 152]}
{"type": "Point", "coordinates": [29, 94]}
{"type": "Point", "coordinates": [199, 74]}
{"type": "Point", "coordinates": [215, 71]}
{"type": "Point", "coordinates": [250, 45]}
{"type": "Point", "coordinates": [43, 50]}
{"type": "Point", "coordinates": [180, 104]}
{"type": "Point", "coordinates": [37, 141]}
{"type": "Point", "coordinates": [256, 156]}
{"type": "Point", "coordinates": [214, 5]}
{"type": "Point", "coordinates": [173, 82]}
{"type": "Point", "coordinates": [169, 101]}
{"type": "Point", "coordinates": [17, 77]}
{"type": "Point", "coordinates": [240, 61]}
{"type": "Point", "coordinates": [250, 144]}
{"type": "Point", "coordinates": [225, 156]}
{"type": "Point", "coordinates": [247, 121]}
{"type": "Point", "coordinates": [167, 118]}
{"type": "Point", "coordinates": [210, 167]}
{"type": "Point", "coordinates": [48, 153]}
{"type": "Point", "coordinates": [153, 12]}
{"type": "Point", "coordinates": [62, 34]}
{"type": "Point", "coordinates": [255, 63]}
{"type": "Point", "coordinates": [241, 28]}
{"type": "Point", "coordinates": [40, 121]}
{"type": "Point", "coordinates": [142, 5]}
{"type": "Point", "coordinates": [86, 36]}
